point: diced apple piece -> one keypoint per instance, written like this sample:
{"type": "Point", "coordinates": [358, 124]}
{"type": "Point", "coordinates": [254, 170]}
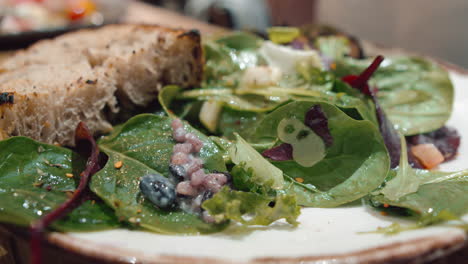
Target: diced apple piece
{"type": "Point", "coordinates": [428, 154]}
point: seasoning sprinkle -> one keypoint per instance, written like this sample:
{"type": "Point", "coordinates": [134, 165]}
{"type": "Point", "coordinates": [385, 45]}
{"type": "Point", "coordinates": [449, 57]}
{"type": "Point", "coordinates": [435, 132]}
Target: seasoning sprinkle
{"type": "Point", "coordinates": [300, 180]}
{"type": "Point", "coordinates": [118, 164]}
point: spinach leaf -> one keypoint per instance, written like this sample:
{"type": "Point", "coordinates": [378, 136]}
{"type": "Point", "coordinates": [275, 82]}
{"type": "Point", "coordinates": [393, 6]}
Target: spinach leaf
{"type": "Point", "coordinates": [354, 165]}
{"type": "Point", "coordinates": [241, 122]}
{"type": "Point", "coordinates": [33, 182]}
{"type": "Point", "coordinates": [144, 145]}
{"type": "Point", "coordinates": [416, 94]}
{"type": "Point", "coordinates": [353, 103]}
{"type": "Point", "coordinates": [439, 194]}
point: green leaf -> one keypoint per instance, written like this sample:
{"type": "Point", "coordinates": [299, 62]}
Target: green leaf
{"type": "Point", "coordinates": [354, 165]}
{"type": "Point", "coordinates": [166, 96]}
{"type": "Point", "coordinates": [28, 169]}
{"type": "Point", "coordinates": [240, 41]}
{"type": "Point", "coordinates": [353, 103]}
{"type": "Point", "coordinates": [441, 194]}
{"type": "Point", "coordinates": [416, 94]}
{"type": "Point", "coordinates": [435, 196]}
{"type": "Point", "coordinates": [228, 56]}
{"type": "Point", "coordinates": [252, 208]}
{"type": "Point", "coordinates": [144, 145]}
{"type": "Point", "coordinates": [405, 181]}
{"type": "Point", "coordinates": [241, 122]}
{"type": "Point", "coordinates": [241, 102]}
{"type": "Point", "coordinates": [334, 47]}
{"type": "Point", "coordinates": [264, 173]}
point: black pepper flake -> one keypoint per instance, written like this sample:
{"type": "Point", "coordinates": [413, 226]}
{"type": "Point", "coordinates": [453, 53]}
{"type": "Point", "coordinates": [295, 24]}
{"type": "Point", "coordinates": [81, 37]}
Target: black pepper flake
{"type": "Point", "coordinates": [7, 98]}
{"type": "Point", "coordinates": [91, 81]}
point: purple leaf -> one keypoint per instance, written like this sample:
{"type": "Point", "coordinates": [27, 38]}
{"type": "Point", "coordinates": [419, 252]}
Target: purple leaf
{"type": "Point", "coordinates": [389, 134]}
{"type": "Point", "coordinates": [279, 153]}
{"type": "Point", "coordinates": [83, 137]}
{"type": "Point", "coordinates": [360, 81]}
{"type": "Point", "coordinates": [316, 120]}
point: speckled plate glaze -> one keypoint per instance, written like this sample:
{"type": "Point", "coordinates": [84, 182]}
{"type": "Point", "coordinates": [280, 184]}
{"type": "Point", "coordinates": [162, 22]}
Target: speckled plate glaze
{"type": "Point", "coordinates": [323, 236]}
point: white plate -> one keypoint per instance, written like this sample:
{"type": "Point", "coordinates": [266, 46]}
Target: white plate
{"type": "Point", "coordinates": [323, 236]}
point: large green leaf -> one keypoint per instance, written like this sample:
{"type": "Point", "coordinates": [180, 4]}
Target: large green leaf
{"type": "Point", "coordinates": [33, 182]}
{"type": "Point", "coordinates": [144, 145]}
{"type": "Point", "coordinates": [354, 165]}
{"type": "Point", "coordinates": [416, 94]}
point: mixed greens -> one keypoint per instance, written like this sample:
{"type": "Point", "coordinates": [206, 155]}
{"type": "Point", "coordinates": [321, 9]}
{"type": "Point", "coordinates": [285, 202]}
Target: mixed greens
{"type": "Point", "coordinates": [294, 122]}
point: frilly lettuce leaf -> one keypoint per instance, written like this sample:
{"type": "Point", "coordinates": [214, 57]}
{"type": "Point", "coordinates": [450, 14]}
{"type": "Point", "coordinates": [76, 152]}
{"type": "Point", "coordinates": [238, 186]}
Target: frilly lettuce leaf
{"type": "Point", "coordinates": [252, 208]}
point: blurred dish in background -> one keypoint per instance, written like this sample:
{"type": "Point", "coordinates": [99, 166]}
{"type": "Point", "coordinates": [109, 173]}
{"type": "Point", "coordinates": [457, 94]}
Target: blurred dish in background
{"type": "Point", "coordinates": [235, 14]}
{"type": "Point", "coordinates": [23, 22]}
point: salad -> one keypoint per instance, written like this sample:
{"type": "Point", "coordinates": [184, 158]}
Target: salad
{"type": "Point", "coordinates": [298, 120]}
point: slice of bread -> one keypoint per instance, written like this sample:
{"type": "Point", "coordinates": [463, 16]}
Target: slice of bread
{"type": "Point", "coordinates": [47, 89]}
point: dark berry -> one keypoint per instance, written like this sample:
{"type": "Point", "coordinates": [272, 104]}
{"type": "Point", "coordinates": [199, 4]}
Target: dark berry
{"type": "Point", "coordinates": [159, 190]}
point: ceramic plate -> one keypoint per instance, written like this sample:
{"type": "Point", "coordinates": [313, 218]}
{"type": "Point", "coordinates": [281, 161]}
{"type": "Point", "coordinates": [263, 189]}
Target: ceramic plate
{"type": "Point", "coordinates": [335, 235]}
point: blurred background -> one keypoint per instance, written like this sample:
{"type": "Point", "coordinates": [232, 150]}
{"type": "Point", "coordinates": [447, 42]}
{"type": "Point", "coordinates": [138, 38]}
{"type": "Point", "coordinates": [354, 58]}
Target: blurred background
{"type": "Point", "coordinates": [436, 28]}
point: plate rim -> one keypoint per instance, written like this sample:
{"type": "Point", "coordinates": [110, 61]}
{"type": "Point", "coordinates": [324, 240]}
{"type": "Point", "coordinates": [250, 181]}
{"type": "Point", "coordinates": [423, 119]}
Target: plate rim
{"type": "Point", "coordinates": [421, 249]}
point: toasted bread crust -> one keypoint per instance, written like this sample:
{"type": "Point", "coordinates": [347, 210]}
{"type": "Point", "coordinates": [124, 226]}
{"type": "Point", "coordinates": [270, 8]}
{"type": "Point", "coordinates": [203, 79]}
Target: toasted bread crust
{"type": "Point", "coordinates": [79, 76]}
